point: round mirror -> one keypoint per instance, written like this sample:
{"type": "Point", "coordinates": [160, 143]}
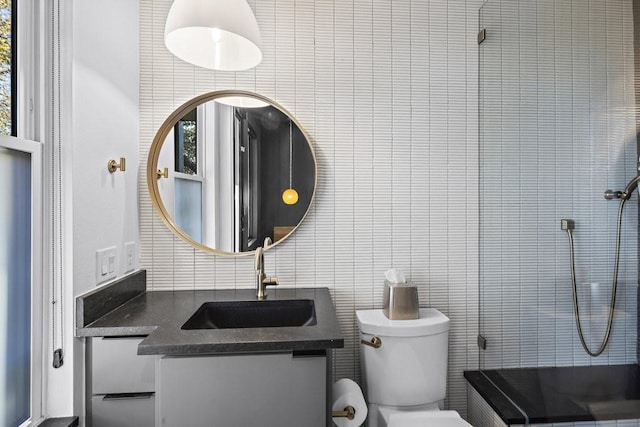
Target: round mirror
{"type": "Point", "coordinates": [228, 169]}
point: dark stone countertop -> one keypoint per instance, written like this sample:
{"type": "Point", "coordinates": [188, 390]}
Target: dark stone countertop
{"type": "Point", "coordinates": [159, 315]}
{"type": "Point", "coordinates": [561, 394]}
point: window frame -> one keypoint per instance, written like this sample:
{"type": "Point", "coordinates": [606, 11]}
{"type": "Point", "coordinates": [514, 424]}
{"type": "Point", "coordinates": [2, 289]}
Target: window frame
{"type": "Point", "coordinates": [199, 176]}
{"type": "Point", "coordinates": [14, 67]}
{"type": "Point", "coordinates": [34, 149]}
{"type": "Point", "coordinates": [178, 147]}
{"type": "Point", "coordinates": [29, 81]}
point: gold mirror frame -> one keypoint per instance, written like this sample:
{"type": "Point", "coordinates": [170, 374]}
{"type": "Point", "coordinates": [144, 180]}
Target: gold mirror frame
{"type": "Point", "coordinates": [167, 127]}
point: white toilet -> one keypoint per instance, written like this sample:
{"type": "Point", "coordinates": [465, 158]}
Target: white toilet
{"type": "Point", "coordinates": [406, 375]}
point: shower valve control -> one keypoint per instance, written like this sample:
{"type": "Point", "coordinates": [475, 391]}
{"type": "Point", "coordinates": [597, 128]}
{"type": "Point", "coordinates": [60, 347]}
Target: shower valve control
{"type": "Point", "coordinates": [567, 224]}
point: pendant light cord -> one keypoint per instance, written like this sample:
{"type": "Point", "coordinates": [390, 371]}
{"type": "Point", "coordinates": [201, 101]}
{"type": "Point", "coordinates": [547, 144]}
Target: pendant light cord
{"type": "Point", "coordinates": [290, 156]}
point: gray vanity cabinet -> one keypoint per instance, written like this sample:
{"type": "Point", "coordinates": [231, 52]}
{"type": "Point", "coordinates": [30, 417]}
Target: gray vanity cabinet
{"type": "Point", "coordinates": [269, 389]}
{"type": "Point", "coordinates": [120, 384]}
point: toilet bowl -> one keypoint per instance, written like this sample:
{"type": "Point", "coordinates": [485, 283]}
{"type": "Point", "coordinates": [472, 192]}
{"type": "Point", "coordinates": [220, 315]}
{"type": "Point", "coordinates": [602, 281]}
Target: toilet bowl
{"type": "Point", "coordinates": [404, 363]}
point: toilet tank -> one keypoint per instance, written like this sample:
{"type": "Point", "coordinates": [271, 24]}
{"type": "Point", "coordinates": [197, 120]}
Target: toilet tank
{"type": "Point", "coordinates": [410, 366]}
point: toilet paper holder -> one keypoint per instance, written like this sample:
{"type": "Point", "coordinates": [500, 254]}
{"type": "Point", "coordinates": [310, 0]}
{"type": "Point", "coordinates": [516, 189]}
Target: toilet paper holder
{"type": "Point", "coordinates": [349, 413]}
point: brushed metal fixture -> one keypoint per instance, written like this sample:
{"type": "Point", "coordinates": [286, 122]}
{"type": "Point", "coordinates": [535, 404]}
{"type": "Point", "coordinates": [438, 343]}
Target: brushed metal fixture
{"type": "Point", "coordinates": [630, 188]}
{"type": "Point", "coordinates": [163, 173]}
{"type": "Point", "coordinates": [349, 413]}
{"type": "Point", "coordinates": [482, 342]}
{"type": "Point", "coordinates": [262, 281]}
{"type": "Point", "coordinates": [624, 194]}
{"type": "Point", "coordinates": [113, 166]}
{"type": "Point", "coordinates": [610, 194]}
{"type": "Point", "coordinates": [400, 301]}
{"type": "Point", "coordinates": [482, 35]}
{"type": "Point", "coordinates": [375, 342]}
{"type": "Point", "coordinates": [568, 226]}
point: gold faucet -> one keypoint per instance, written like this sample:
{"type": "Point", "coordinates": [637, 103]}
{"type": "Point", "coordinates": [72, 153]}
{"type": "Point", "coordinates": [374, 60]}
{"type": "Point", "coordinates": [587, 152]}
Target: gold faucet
{"type": "Point", "coordinates": [262, 281]}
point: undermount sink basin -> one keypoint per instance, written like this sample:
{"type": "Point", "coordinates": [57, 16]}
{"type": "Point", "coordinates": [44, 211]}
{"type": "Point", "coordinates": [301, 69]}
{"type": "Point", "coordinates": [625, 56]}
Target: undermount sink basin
{"type": "Point", "coordinates": [253, 314]}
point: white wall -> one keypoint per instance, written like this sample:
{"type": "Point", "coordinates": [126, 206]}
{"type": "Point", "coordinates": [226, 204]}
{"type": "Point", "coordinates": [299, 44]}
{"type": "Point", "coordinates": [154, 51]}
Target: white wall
{"type": "Point", "coordinates": [102, 45]}
{"type": "Point", "coordinates": [388, 92]}
{"type": "Point", "coordinates": [105, 126]}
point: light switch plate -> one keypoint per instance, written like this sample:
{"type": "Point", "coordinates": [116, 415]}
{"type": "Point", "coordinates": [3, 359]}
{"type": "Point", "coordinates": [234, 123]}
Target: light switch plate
{"type": "Point", "coordinates": [112, 263]}
{"type": "Point", "coordinates": [129, 256]}
{"type": "Point", "coordinates": [105, 264]}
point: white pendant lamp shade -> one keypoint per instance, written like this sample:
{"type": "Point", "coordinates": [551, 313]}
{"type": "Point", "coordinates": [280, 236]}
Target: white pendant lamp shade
{"type": "Point", "coordinates": [216, 34]}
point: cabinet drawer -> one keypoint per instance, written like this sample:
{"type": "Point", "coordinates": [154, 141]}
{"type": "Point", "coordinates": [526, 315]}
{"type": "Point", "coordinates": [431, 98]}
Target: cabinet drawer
{"type": "Point", "coordinates": [136, 410]}
{"type": "Point", "coordinates": [116, 367]}
{"type": "Point", "coordinates": [266, 390]}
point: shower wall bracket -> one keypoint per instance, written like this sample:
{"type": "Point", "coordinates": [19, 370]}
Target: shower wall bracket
{"type": "Point", "coordinates": [610, 194]}
{"type": "Point", "coordinates": [567, 224]}
{"type": "Point", "coordinates": [482, 342]}
{"type": "Point", "coordinates": [482, 35]}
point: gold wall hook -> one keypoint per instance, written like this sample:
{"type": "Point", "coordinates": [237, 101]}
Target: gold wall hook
{"type": "Point", "coordinates": [348, 413]}
{"type": "Point", "coordinates": [112, 166]}
{"type": "Point", "coordinates": [163, 173]}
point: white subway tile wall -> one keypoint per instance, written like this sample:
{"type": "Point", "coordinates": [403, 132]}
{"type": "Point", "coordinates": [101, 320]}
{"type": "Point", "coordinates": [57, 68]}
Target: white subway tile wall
{"type": "Point", "coordinates": [388, 92]}
{"type": "Point", "coordinates": [558, 128]}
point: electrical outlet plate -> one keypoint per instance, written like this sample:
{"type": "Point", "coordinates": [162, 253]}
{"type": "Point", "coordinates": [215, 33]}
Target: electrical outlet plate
{"type": "Point", "coordinates": [106, 264]}
{"type": "Point", "coordinates": [129, 256]}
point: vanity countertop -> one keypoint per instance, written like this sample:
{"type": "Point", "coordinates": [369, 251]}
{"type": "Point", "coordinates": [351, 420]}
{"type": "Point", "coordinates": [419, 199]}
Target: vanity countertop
{"type": "Point", "coordinates": [159, 315]}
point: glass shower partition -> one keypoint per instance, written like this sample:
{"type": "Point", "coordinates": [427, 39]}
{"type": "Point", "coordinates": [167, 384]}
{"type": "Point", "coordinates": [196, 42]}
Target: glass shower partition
{"type": "Point", "coordinates": [557, 129]}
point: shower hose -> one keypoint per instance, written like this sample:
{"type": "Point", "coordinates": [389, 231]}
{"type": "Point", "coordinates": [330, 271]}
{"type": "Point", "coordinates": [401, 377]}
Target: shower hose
{"type": "Point", "coordinates": [576, 308]}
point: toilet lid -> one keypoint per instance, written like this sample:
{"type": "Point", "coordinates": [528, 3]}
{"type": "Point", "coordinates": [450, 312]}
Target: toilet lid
{"type": "Point", "coordinates": [430, 322]}
{"type": "Point", "coordinates": [427, 419]}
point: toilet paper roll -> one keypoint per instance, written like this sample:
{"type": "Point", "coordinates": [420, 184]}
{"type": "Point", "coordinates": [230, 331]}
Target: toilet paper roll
{"type": "Point", "coordinates": [346, 392]}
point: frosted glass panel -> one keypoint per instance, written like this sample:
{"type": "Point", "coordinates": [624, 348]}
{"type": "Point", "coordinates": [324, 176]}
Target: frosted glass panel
{"type": "Point", "coordinates": [188, 207]}
{"type": "Point", "coordinates": [15, 286]}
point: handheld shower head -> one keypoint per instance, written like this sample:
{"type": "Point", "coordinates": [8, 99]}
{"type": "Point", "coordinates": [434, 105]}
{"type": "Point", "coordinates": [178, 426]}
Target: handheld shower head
{"type": "Point", "coordinates": [631, 186]}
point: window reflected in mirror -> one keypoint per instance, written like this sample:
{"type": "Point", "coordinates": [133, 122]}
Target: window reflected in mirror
{"type": "Point", "coordinates": [186, 144]}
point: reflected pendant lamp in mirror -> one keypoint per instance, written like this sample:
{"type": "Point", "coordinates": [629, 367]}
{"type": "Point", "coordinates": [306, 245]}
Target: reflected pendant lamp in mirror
{"type": "Point", "coordinates": [290, 196]}
{"type": "Point", "coordinates": [215, 34]}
